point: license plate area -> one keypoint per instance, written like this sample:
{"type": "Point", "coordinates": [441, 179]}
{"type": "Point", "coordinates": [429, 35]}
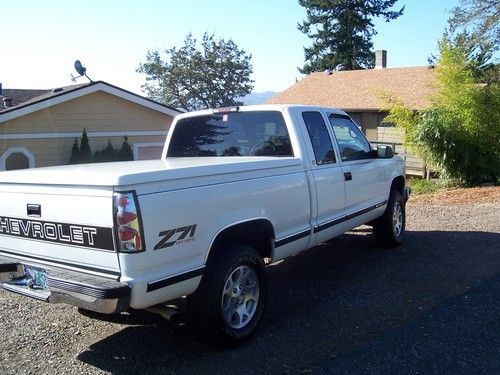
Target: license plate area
{"type": "Point", "coordinates": [36, 278]}
{"type": "Point", "coordinates": [29, 281]}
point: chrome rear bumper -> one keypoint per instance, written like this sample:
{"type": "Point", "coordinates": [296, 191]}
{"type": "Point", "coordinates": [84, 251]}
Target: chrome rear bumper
{"type": "Point", "coordinates": [59, 285]}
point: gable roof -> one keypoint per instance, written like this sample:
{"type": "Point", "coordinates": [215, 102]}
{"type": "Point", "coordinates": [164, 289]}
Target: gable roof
{"type": "Point", "coordinates": [356, 90]}
{"type": "Point", "coordinates": [47, 98]}
{"type": "Point", "coordinates": [19, 96]}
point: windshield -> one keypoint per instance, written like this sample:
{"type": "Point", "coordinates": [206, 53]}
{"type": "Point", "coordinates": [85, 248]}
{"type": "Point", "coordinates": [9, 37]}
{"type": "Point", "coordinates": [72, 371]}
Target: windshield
{"type": "Point", "coordinates": [262, 133]}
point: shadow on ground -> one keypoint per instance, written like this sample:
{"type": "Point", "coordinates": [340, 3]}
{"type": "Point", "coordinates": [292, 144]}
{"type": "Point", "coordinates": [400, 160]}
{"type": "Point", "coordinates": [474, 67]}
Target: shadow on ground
{"type": "Point", "coordinates": [323, 304]}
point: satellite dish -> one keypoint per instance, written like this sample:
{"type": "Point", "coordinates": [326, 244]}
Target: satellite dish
{"type": "Point", "coordinates": [79, 68]}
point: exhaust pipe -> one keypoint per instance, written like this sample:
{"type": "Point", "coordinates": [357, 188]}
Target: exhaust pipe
{"type": "Point", "coordinates": [168, 312]}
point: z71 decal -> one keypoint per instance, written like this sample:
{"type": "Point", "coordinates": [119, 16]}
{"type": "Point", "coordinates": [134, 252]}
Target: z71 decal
{"type": "Point", "coordinates": [176, 236]}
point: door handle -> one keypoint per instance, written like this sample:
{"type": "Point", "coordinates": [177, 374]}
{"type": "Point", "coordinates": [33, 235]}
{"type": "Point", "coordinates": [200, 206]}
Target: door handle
{"type": "Point", "coordinates": [34, 210]}
{"type": "Point", "coordinates": [347, 176]}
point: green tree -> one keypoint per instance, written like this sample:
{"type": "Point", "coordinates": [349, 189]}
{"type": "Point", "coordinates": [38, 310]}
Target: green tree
{"type": "Point", "coordinates": [342, 32]}
{"type": "Point", "coordinates": [125, 153]}
{"type": "Point", "coordinates": [193, 79]}
{"type": "Point", "coordinates": [75, 153]}
{"type": "Point", "coordinates": [107, 154]}
{"type": "Point", "coordinates": [110, 153]}
{"type": "Point", "coordinates": [482, 17]}
{"type": "Point", "coordinates": [474, 26]}
{"type": "Point", "coordinates": [460, 132]}
{"type": "Point", "coordinates": [85, 152]}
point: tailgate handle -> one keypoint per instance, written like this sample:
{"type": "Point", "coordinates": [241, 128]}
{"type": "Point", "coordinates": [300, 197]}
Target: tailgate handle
{"type": "Point", "coordinates": [34, 210]}
{"type": "Point", "coordinates": [348, 176]}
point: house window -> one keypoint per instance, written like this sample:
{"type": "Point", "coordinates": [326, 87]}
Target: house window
{"type": "Point", "coordinates": [16, 158]}
{"type": "Point", "coordinates": [148, 151]}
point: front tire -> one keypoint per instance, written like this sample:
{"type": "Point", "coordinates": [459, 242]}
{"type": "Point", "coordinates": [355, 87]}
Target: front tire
{"type": "Point", "coordinates": [230, 301]}
{"type": "Point", "coordinates": [389, 229]}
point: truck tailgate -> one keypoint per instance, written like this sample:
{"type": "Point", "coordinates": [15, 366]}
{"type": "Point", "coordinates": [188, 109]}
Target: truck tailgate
{"type": "Point", "coordinates": [59, 225]}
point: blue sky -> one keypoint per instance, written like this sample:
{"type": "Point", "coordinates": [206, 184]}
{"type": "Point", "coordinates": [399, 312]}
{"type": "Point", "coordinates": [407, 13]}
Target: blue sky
{"type": "Point", "coordinates": [42, 39]}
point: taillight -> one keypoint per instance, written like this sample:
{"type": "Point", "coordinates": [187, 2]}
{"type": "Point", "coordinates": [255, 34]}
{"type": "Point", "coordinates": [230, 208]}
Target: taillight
{"type": "Point", "coordinates": [125, 217]}
{"type": "Point", "coordinates": [128, 223]}
{"type": "Point", "coordinates": [126, 233]}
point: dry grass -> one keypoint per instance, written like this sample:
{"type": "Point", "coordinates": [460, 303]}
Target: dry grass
{"type": "Point", "coordinates": [459, 196]}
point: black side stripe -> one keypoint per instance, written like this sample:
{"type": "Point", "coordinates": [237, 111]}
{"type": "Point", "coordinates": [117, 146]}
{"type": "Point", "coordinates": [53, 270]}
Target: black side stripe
{"type": "Point", "coordinates": [330, 224]}
{"type": "Point", "coordinates": [295, 237]}
{"type": "Point", "coordinates": [155, 285]}
{"type": "Point", "coordinates": [67, 264]}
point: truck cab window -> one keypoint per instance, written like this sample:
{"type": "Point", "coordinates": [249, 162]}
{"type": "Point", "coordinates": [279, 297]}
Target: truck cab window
{"type": "Point", "coordinates": [352, 143]}
{"type": "Point", "coordinates": [259, 133]}
{"type": "Point", "coordinates": [320, 138]}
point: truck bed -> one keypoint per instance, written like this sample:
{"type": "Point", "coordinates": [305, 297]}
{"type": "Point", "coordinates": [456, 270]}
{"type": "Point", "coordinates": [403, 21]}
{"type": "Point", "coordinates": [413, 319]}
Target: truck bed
{"type": "Point", "coordinates": [138, 172]}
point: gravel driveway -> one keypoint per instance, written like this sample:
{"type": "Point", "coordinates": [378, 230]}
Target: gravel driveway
{"type": "Point", "coordinates": [327, 308]}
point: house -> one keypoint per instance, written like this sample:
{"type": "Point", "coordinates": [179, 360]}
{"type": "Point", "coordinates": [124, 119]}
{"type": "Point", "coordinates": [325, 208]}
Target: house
{"type": "Point", "coordinates": [356, 91]}
{"type": "Point", "coordinates": [38, 127]}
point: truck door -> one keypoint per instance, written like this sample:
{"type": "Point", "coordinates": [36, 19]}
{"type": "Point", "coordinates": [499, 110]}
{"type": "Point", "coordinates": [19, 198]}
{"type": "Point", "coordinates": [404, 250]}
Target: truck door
{"type": "Point", "coordinates": [327, 175]}
{"type": "Point", "coordinates": [364, 175]}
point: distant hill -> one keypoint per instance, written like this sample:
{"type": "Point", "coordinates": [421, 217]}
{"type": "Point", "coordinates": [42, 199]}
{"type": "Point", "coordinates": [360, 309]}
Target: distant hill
{"type": "Point", "coordinates": [257, 97]}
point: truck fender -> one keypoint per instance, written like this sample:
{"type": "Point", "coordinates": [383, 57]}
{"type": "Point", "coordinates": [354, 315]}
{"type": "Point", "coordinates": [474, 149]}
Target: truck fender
{"type": "Point", "coordinates": [257, 232]}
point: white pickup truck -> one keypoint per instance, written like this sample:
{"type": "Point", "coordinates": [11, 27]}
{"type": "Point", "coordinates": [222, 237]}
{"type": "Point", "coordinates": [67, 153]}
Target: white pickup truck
{"type": "Point", "coordinates": [235, 188]}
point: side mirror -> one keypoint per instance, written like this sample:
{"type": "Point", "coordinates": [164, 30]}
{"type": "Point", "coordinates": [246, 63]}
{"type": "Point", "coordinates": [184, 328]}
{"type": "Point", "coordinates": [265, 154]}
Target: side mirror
{"type": "Point", "coordinates": [384, 152]}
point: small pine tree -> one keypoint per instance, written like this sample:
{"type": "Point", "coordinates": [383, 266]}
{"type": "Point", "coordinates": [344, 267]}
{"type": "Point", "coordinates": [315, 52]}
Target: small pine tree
{"type": "Point", "coordinates": [98, 156]}
{"type": "Point", "coordinates": [109, 152]}
{"type": "Point", "coordinates": [75, 153]}
{"type": "Point", "coordinates": [125, 152]}
{"type": "Point", "coordinates": [85, 153]}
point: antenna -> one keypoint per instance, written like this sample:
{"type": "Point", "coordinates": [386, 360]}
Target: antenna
{"type": "Point", "coordinates": [81, 70]}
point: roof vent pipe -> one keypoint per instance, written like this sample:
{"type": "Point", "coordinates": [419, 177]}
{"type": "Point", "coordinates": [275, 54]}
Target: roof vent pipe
{"type": "Point", "coordinates": [381, 59]}
{"type": "Point", "coordinates": [7, 102]}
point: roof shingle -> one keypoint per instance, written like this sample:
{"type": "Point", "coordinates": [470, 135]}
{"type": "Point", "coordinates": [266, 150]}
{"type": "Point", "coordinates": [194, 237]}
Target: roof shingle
{"type": "Point", "coordinates": [19, 96]}
{"type": "Point", "coordinates": [23, 97]}
{"type": "Point", "coordinates": [357, 89]}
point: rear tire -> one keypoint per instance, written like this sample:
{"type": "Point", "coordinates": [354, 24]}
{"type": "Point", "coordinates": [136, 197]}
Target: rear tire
{"type": "Point", "coordinates": [230, 301]}
{"type": "Point", "coordinates": [389, 229]}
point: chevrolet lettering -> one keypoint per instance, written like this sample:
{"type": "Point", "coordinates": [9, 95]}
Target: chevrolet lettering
{"type": "Point", "coordinates": [77, 235]}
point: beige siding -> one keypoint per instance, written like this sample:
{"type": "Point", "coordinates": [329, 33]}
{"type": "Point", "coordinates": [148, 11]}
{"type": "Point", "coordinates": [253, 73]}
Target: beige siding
{"type": "Point", "coordinates": [96, 112]}
{"type": "Point", "coordinates": [50, 152]}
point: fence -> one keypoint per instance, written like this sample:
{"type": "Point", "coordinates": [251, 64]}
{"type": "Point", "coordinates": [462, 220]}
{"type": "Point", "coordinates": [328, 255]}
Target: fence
{"type": "Point", "coordinates": [394, 137]}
